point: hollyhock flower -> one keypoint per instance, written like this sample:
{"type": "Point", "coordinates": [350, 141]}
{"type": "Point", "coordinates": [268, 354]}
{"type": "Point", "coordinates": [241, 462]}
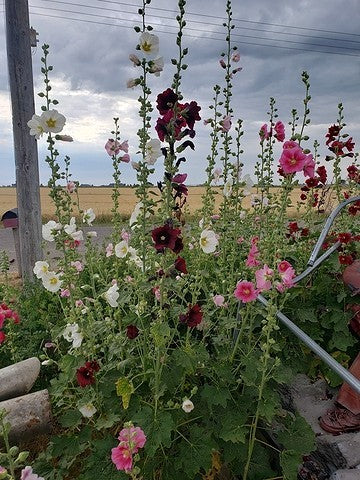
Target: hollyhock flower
{"type": "Point", "coordinates": [109, 250]}
{"type": "Point", "coordinates": [85, 376]}
{"type": "Point", "coordinates": [70, 187]}
{"type": "Point", "coordinates": [121, 249]}
{"type": "Point", "coordinates": [88, 410]}
{"type": "Point", "coordinates": [346, 259]}
{"type": "Point", "coordinates": [263, 133]}
{"type": "Point", "coordinates": [165, 237]}
{"type": "Point", "coordinates": [217, 174]}
{"type": "Point", "coordinates": [112, 295]}
{"type": "Point", "coordinates": [113, 147]}
{"type": "Point", "coordinates": [131, 83]}
{"type": "Point", "coordinates": [287, 277]}
{"type": "Point", "coordinates": [263, 278]}
{"type": "Point", "coordinates": [166, 100]}
{"type": "Point", "coordinates": [51, 281]}
{"type": "Point", "coordinates": [49, 230]}
{"type": "Point", "coordinates": [131, 440]}
{"type": "Point", "coordinates": [65, 293]}
{"type": "Point", "coordinates": [321, 171]}
{"type": "Point", "coordinates": [125, 158]}
{"type": "Point", "coordinates": [219, 300]}
{"type": "Point", "coordinates": [344, 237]}
{"type": "Point", "coordinates": [136, 213]}
{"type": "Point", "coordinates": [190, 111]}
{"type": "Point", "coordinates": [252, 260]}
{"type": "Point", "coordinates": [70, 229]}
{"type": "Point", "coordinates": [179, 245]}
{"type": "Point", "coordinates": [279, 131]}
{"type": "Point", "coordinates": [77, 265]}
{"type": "Point", "coordinates": [226, 123]}
{"type": "Point", "coordinates": [180, 265]}
{"type": "Point", "coordinates": [208, 241]}
{"type": "Point", "coordinates": [156, 66]}
{"type": "Point", "coordinates": [332, 133]}
{"type": "Point", "coordinates": [235, 57]}
{"type": "Point", "coordinates": [192, 317]}
{"type": "Point", "coordinates": [235, 71]}
{"type": "Point", "coordinates": [187, 405]}
{"type": "Point", "coordinates": [227, 190]}
{"type": "Point", "coordinates": [292, 160]}
{"type": "Point", "coordinates": [2, 337]}
{"type": "Point", "coordinates": [64, 138]}
{"type": "Point", "coordinates": [132, 332]}
{"type": "Point", "coordinates": [291, 144]}
{"type": "Point", "coordinates": [152, 151]}
{"type": "Point", "coordinates": [89, 216]}
{"type": "Point", "coordinates": [245, 291]}
{"type": "Point", "coordinates": [312, 182]}
{"type": "Point", "coordinates": [28, 474]}
{"type": "Point", "coordinates": [41, 269]}
{"type": "Point", "coordinates": [135, 60]}
{"type": "Point", "coordinates": [157, 293]}
{"type": "Point", "coordinates": [179, 178]}
{"type": "Point", "coordinates": [180, 189]}
{"type": "Point", "coordinates": [36, 126]}
{"type": "Point", "coordinates": [53, 121]}
{"type": "Point", "coordinates": [149, 43]}
{"type": "Point", "coordinates": [73, 335]}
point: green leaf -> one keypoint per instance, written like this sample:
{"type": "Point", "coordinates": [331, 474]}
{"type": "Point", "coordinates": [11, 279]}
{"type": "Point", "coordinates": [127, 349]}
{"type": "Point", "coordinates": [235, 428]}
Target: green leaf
{"type": "Point", "coordinates": [215, 396]}
{"type": "Point", "coordinates": [290, 461]}
{"type": "Point", "coordinates": [297, 435]}
{"type": "Point", "coordinates": [195, 454]}
{"type": "Point", "coordinates": [233, 426]}
{"type": "Point", "coordinates": [71, 418]}
{"type": "Point", "coordinates": [124, 389]}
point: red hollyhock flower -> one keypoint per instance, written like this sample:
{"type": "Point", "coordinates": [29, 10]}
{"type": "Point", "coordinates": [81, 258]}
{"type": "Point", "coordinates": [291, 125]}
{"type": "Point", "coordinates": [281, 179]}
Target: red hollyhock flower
{"type": "Point", "coordinates": [2, 337]}
{"type": "Point", "coordinates": [85, 376]}
{"type": "Point", "coordinates": [180, 265]}
{"type": "Point", "coordinates": [92, 365]}
{"type": "Point", "coordinates": [168, 125]}
{"type": "Point", "coordinates": [333, 132]}
{"type": "Point", "coordinates": [193, 317]}
{"type": "Point", "coordinates": [166, 100]}
{"type": "Point", "coordinates": [349, 144]}
{"type": "Point", "coordinates": [190, 112]}
{"type": "Point", "coordinates": [337, 148]}
{"type": "Point", "coordinates": [180, 189]}
{"type": "Point", "coordinates": [179, 245]}
{"type": "Point", "coordinates": [303, 196]}
{"type": "Point", "coordinates": [321, 171]}
{"type": "Point", "coordinates": [304, 232]}
{"type": "Point", "coordinates": [165, 237]}
{"type": "Point", "coordinates": [312, 182]}
{"type": "Point", "coordinates": [132, 332]}
{"type": "Point", "coordinates": [344, 237]}
{"type": "Point", "coordinates": [293, 227]}
{"type": "Point", "coordinates": [346, 259]}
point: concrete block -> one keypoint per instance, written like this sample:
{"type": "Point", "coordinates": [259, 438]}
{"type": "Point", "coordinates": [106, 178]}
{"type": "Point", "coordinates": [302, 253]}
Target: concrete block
{"type": "Point", "coordinates": [18, 379]}
{"type": "Point", "coordinates": [347, 474]}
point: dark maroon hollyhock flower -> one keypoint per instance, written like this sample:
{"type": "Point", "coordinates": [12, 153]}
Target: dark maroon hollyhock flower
{"type": "Point", "coordinates": [165, 101]}
{"type": "Point", "coordinates": [85, 376]}
{"type": "Point", "coordinates": [180, 189]}
{"type": "Point", "coordinates": [132, 332]}
{"type": "Point", "coordinates": [333, 132]}
{"type": "Point", "coordinates": [168, 125]}
{"type": "Point", "coordinates": [337, 148]}
{"type": "Point", "coordinates": [321, 171]}
{"type": "Point", "coordinates": [304, 232]}
{"type": "Point", "coordinates": [181, 177]}
{"type": "Point", "coordinates": [190, 111]}
{"type": "Point", "coordinates": [162, 128]}
{"type": "Point", "coordinates": [180, 265]}
{"type": "Point", "coordinates": [303, 196]}
{"type": "Point", "coordinates": [312, 182]}
{"type": "Point", "coordinates": [344, 237]}
{"type": "Point", "coordinates": [92, 365]}
{"type": "Point", "coordinates": [353, 173]}
{"type": "Point", "coordinates": [165, 237]}
{"type": "Point", "coordinates": [179, 245]}
{"type": "Point", "coordinates": [346, 259]}
{"type": "Point", "coordinates": [193, 317]}
{"type": "Point", "coordinates": [293, 227]}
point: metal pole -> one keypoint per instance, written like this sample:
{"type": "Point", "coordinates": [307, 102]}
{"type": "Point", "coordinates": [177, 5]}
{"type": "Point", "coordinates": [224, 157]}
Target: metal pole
{"type": "Point", "coordinates": [25, 147]}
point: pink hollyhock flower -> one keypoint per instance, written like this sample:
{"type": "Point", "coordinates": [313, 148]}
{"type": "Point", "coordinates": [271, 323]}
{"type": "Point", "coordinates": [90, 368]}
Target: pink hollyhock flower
{"type": "Point", "coordinates": [292, 160]}
{"type": "Point", "coordinates": [179, 178]}
{"type": "Point", "coordinates": [217, 174]}
{"type": "Point", "coordinates": [287, 273]}
{"type": "Point", "coordinates": [131, 439]}
{"type": "Point", "coordinates": [226, 123]}
{"type": "Point", "coordinates": [65, 292]}
{"type": "Point", "coordinates": [109, 250]}
{"type": "Point", "coordinates": [219, 300]}
{"type": "Point", "coordinates": [28, 474]}
{"type": "Point", "coordinates": [309, 167]}
{"type": "Point", "coordinates": [128, 279]}
{"type": "Point", "coordinates": [79, 303]}
{"type": "Point", "coordinates": [70, 187]}
{"type": "Point", "coordinates": [290, 144]}
{"type": "Point", "coordinates": [157, 293]}
{"type": "Point", "coordinates": [77, 265]}
{"type": "Point", "coordinates": [251, 260]}
{"type": "Point", "coordinates": [283, 266]}
{"type": "Point", "coordinates": [279, 131]}
{"type": "Point", "coordinates": [264, 134]}
{"type": "Point", "coordinates": [125, 158]}
{"type": "Point", "coordinates": [222, 63]}
{"type": "Point", "coordinates": [2, 337]}
{"type": "Point", "coordinates": [113, 147]}
{"type": "Point", "coordinates": [125, 235]}
{"type": "Point", "coordinates": [235, 57]}
{"type": "Point", "coordinates": [263, 276]}
{"type": "Point", "coordinates": [245, 291]}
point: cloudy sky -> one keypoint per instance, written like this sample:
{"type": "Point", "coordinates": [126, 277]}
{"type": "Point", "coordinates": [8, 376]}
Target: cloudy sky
{"type": "Point", "coordinates": [277, 40]}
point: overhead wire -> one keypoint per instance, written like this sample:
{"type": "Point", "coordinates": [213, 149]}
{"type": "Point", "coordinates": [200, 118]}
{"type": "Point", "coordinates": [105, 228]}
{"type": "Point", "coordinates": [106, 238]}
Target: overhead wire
{"type": "Point", "coordinates": [201, 37]}
{"type": "Point", "coordinates": [102, 8]}
{"type": "Point", "coordinates": [197, 30]}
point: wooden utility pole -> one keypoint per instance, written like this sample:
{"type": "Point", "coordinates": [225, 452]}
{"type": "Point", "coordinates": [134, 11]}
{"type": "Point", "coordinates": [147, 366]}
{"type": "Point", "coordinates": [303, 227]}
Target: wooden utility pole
{"type": "Point", "coordinates": [25, 147]}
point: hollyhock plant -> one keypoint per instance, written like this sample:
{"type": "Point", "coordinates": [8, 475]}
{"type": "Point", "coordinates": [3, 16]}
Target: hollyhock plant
{"type": "Point", "coordinates": [131, 440]}
{"type": "Point", "coordinates": [292, 160]}
{"type": "Point", "coordinates": [193, 317]}
{"type": "Point", "coordinates": [245, 291]}
{"type": "Point", "coordinates": [279, 131]}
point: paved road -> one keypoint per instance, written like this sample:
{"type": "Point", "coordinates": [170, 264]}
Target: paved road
{"type": "Point", "coordinates": [7, 243]}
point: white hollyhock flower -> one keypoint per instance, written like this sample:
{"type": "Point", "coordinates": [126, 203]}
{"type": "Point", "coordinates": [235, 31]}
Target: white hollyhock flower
{"type": "Point", "coordinates": [157, 66]}
{"type": "Point", "coordinates": [73, 335]}
{"type": "Point", "coordinates": [208, 241]}
{"type": "Point", "coordinates": [112, 295]}
{"type": "Point", "coordinates": [89, 216]}
{"type": "Point", "coordinates": [51, 281]}
{"type": "Point", "coordinates": [248, 184]}
{"type": "Point", "coordinates": [36, 126]}
{"type": "Point", "coordinates": [149, 43]}
{"type": "Point", "coordinates": [70, 229]}
{"type": "Point", "coordinates": [152, 151]}
{"type": "Point", "coordinates": [121, 249]}
{"type": "Point", "coordinates": [87, 410]}
{"type": "Point", "coordinates": [49, 229]}
{"type": "Point", "coordinates": [53, 121]}
{"type": "Point", "coordinates": [134, 257]}
{"type": "Point", "coordinates": [227, 188]}
{"type": "Point", "coordinates": [41, 269]}
{"type": "Point", "coordinates": [135, 214]}
{"type": "Point", "coordinates": [187, 406]}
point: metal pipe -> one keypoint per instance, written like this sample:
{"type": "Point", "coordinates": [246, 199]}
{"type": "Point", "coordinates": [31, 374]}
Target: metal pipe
{"type": "Point", "coordinates": [317, 262]}
{"type": "Point", "coordinates": [328, 359]}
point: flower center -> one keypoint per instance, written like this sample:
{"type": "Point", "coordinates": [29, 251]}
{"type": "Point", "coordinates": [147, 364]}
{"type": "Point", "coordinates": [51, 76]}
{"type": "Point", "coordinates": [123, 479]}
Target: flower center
{"type": "Point", "coordinates": [146, 47]}
{"type": "Point", "coordinates": [163, 238]}
{"type": "Point", "coordinates": [51, 123]}
{"type": "Point", "coordinates": [293, 161]}
{"type": "Point", "coordinates": [246, 291]}
{"type": "Point", "coordinates": [53, 281]}
{"type": "Point", "coordinates": [204, 241]}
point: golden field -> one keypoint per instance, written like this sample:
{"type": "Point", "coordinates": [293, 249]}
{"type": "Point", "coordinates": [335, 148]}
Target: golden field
{"type": "Point", "coordinates": [99, 198]}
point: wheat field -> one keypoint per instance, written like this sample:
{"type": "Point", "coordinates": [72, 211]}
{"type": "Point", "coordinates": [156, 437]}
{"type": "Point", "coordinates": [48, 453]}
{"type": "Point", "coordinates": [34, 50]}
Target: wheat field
{"type": "Point", "coordinates": [99, 198]}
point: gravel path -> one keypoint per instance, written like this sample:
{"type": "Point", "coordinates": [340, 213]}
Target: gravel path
{"type": "Point", "coordinates": [7, 243]}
